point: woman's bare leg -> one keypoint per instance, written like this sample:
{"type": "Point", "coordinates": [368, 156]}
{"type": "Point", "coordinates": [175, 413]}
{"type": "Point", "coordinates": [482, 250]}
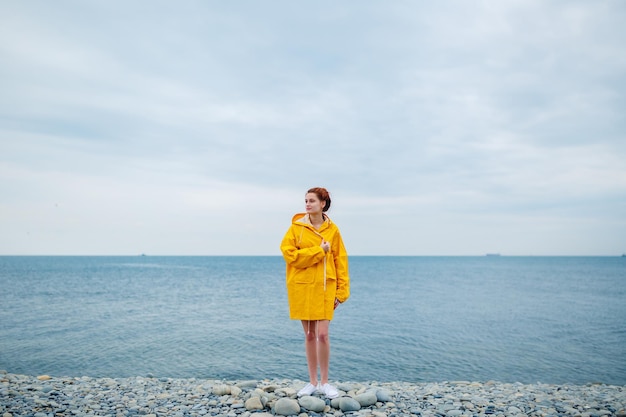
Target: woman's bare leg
{"type": "Point", "coordinates": [323, 349]}
{"type": "Point", "coordinates": [310, 347]}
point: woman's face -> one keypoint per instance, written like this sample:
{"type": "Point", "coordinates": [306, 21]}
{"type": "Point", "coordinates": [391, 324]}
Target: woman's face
{"type": "Point", "coordinates": [313, 204]}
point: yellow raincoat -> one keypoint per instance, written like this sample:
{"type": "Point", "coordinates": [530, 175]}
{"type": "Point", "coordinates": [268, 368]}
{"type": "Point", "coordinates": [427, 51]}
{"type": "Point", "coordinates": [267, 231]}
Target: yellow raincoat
{"type": "Point", "coordinates": [314, 278]}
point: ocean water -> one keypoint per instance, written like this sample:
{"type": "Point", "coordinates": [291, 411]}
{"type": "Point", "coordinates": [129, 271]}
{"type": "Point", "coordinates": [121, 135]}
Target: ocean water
{"type": "Point", "coordinates": [419, 319]}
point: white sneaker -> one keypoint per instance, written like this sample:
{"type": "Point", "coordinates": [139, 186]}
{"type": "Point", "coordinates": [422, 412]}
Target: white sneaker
{"type": "Point", "coordinates": [328, 390]}
{"type": "Point", "coordinates": [307, 390]}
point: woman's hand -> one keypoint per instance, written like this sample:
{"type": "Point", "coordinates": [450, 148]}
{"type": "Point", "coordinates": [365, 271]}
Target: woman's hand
{"type": "Point", "coordinates": [325, 245]}
{"type": "Point", "coordinates": [337, 302]}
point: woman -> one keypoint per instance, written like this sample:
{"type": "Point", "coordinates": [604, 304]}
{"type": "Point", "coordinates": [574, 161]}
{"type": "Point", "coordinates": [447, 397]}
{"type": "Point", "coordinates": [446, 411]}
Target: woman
{"type": "Point", "coordinates": [317, 282]}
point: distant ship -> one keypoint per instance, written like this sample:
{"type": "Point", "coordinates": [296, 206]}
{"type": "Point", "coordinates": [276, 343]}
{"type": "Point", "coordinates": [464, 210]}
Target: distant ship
{"type": "Point", "coordinates": [493, 254]}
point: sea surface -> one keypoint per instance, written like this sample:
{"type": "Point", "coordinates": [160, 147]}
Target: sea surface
{"type": "Point", "coordinates": [417, 319]}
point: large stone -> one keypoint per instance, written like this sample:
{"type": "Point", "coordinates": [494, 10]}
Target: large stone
{"type": "Point", "coordinates": [344, 386]}
{"type": "Point", "coordinates": [311, 403]}
{"type": "Point", "coordinates": [349, 404]}
{"type": "Point", "coordinates": [247, 384]}
{"type": "Point", "coordinates": [286, 392]}
{"type": "Point", "coordinates": [383, 395]}
{"type": "Point", "coordinates": [367, 398]}
{"type": "Point", "coordinates": [287, 407]}
{"type": "Point", "coordinates": [254, 404]}
{"type": "Point", "coordinates": [221, 390]}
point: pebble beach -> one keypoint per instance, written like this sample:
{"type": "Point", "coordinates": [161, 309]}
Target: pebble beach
{"type": "Point", "coordinates": [50, 396]}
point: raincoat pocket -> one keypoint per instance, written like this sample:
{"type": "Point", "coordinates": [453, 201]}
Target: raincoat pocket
{"type": "Point", "coordinates": [304, 276]}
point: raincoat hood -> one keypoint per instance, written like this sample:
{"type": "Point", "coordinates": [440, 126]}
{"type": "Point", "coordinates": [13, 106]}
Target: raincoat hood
{"type": "Point", "coordinates": [304, 218]}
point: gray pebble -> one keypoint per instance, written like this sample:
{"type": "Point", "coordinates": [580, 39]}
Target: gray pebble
{"type": "Point", "coordinates": [367, 398]}
{"type": "Point", "coordinates": [315, 404]}
{"type": "Point", "coordinates": [349, 404]}
{"type": "Point", "coordinates": [383, 395]}
{"type": "Point", "coordinates": [287, 407]}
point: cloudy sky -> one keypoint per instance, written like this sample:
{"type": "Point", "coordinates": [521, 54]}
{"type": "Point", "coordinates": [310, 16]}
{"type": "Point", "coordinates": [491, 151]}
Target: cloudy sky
{"type": "Point", "coordinates": [195, 127]}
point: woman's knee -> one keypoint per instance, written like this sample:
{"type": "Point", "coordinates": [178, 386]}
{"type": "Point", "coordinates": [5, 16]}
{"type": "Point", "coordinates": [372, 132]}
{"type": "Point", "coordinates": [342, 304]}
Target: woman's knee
{"type": "Point", "coordinates": [310, 336]}
{"type": "Point", "coordinates": [322, 332]}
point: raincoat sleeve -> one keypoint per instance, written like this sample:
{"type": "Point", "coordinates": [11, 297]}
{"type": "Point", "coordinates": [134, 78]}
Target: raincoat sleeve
{"type": "Point", "coordinates": [340, 256]}
{"type": "Point", "coordinates": [299, 258]}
